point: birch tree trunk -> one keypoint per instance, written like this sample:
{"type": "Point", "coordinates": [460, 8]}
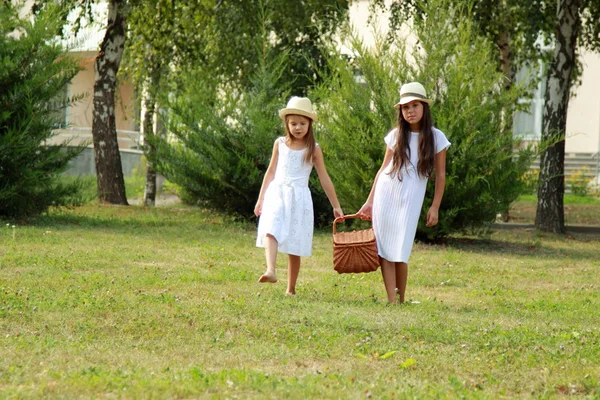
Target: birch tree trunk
{"type": "Point", "coordinates": [109, 172]}
{"type": "Point", "coordinates": [150, 130]}
{"type": "Point", "coordinates": [506, 65]}
{"type": "Point", "coordinates": [149, 111]}
{"type": "Point", "coordinates": [550, 215]}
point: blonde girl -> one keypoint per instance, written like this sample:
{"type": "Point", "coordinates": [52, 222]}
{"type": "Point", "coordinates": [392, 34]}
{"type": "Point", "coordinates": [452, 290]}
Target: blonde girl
{"type": "Point", "coordinates": [285, 205]}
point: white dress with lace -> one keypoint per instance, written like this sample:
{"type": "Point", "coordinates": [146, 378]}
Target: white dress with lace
{"type": "Point", "coordinates": [397, 203]}
{"type": "Point", "coordinates": [287, 210]}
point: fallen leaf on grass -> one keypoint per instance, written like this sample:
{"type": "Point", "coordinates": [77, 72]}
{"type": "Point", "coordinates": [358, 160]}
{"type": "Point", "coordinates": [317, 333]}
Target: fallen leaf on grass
{"type": "Point", "coordinates": [388, 354]}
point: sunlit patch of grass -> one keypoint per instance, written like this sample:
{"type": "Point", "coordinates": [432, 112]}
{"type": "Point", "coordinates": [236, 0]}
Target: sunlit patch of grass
{"type": "Point", "coordinates": [133, 302]}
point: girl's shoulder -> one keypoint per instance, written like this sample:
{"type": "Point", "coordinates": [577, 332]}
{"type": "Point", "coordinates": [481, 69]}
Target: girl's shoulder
{"type": "Point", "coordinates": [437, 133]}
{"type": "Point", "coordinates": [390, 137]}
{"type": "Point", "coordinates": [441, 141]}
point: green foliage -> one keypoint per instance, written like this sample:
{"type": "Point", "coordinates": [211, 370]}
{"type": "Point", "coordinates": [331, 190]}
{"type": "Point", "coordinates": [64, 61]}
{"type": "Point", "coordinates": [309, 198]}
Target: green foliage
{"type": "Point", "coordinates": [222, 142]}
{"type": "Point", "coordinates": [355, 116]}
{"type": "Point", "coordinates": [528, 24]}
{"type": "Point", "coordinates": [457, 66]}
{"type": "Point", "coordinates": [530, 179]}
{"type": "Point", "coordinates": [579, 182]}
{"type": "Point", "coordinates": [33, 74]}
{"type": "Point", "coordinates": [302, 30]}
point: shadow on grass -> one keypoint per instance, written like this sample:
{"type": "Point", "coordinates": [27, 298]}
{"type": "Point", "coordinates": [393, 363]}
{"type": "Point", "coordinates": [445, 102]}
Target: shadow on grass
{"type": "Point", "coordinates": [529, 247]}
{"type": "Point", "coordinates": [133, 218]}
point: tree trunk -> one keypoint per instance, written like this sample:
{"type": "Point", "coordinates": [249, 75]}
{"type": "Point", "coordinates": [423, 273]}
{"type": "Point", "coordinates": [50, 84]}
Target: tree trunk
{"type": "Point", "coordinates": [109, 172]}
{"type": "Point", "coordinates": [550, 215]}
{"type": "Point", "coordinates": [506, 66]}
{"type": "Point", "coordinates": [150, 130]}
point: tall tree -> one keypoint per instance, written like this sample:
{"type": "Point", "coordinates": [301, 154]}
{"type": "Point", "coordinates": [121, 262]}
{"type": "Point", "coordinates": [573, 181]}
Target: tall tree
{"type": "Point", "coordinates": [109, 172]}
{"type": "Point", "coordinates": [550, 216]}
{"type": "Point", "coordinates": [576, 26]}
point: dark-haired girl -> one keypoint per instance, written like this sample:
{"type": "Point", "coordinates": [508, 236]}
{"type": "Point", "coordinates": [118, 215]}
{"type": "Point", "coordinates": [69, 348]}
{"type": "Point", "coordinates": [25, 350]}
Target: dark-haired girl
{"type": "Point", "coordinates": [415, 152]}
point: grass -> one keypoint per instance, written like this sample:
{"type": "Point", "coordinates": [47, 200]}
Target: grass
{"type": "Point", "coordinates": [578, 210]}
{"type": "Point", "coordinates": [127, 302]}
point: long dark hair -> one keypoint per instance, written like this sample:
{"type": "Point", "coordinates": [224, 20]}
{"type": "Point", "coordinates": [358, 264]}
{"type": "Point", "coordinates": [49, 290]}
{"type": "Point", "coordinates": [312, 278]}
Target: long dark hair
{"type": "Point", "coordinates": [309, 139]}
{"type": "Point", "coordinates": [426, 145]}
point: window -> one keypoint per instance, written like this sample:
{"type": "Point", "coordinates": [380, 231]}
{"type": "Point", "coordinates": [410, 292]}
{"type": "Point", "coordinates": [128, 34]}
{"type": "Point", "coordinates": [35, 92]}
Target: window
{"type": "Point", "coordinates": [58, 105]}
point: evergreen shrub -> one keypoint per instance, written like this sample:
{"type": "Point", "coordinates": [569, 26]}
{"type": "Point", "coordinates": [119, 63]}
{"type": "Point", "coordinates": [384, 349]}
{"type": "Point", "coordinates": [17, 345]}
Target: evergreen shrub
{"type": "Point", "coordinates": [484, 170]}
{"type": "Point", "coordinates": [34, 71]}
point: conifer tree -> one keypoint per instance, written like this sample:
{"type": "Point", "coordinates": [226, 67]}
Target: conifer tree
{"type": "Point", "coordinates": [33, 73]}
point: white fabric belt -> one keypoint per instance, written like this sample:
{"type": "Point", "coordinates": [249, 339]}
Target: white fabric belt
{"type": "Point", "coordinates": [297, 182]}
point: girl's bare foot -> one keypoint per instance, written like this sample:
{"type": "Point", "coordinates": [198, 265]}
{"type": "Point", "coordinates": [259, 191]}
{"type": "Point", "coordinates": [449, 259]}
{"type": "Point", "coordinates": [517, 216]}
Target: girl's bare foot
{"type": "Point", "coordinates": [290, 293]}
{"type": "Point", "coordinates": [266, 277]}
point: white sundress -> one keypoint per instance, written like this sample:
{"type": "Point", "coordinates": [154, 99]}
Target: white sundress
{"type": "Point", "coordinates": [397, 204]}
{"type": "Point", "coordinates": [287, 210]}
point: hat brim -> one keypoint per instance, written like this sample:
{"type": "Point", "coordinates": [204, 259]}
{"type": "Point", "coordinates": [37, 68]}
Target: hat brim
{"type": "Point", "coordinates": [296, 111]}
{"type": "Point", "coordinates": [409, 99]}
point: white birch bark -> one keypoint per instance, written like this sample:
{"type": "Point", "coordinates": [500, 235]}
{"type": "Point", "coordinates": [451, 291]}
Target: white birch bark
{"type": "Point", "coordinates": [109, 172]}
{"type": "Point", "coordinates": [551, 186]}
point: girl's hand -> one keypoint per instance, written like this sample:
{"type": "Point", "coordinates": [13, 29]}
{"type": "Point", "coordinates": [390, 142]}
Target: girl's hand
{"type": "Point", "coordinates": [338, 213]}
{"type": "Point", "coordinates": [258, 208]}
{"type": "Point", "coordinates": [432, 216]}
{"type": "Point", "coordinates": [366, 211]}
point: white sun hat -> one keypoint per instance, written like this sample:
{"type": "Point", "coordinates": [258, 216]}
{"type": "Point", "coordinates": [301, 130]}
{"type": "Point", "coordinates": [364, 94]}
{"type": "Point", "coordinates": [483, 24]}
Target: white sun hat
{"type": "Point", "coordinates": [412, 91]}
{"type": "Point", "coordinates": [299, 106]}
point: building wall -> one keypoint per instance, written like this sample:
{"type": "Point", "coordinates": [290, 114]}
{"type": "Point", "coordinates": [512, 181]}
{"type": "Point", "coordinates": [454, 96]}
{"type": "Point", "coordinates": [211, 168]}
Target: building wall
{"type": "Point", "coordinates": [583, 117]}
{"type": "Point", "coordinates": [80, 114]}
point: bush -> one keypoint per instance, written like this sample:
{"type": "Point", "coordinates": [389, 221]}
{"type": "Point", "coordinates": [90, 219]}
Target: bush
{"type": "Point", "coordinates": [470, 103]}
{"type": "Point", "coordinates": [33, 73]}
{"type": "Point", "coordinates": [579, 183]}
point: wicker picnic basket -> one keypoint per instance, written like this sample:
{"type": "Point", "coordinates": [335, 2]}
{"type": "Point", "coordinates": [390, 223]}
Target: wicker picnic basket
{"type": "Point", "coordinates": [356, 251]}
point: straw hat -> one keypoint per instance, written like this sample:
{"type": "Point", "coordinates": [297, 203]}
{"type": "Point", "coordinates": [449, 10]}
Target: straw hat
{"type": "Point", "coordinates": [299, 106]}
{"type": "Point", "coordinates": [412, 91]}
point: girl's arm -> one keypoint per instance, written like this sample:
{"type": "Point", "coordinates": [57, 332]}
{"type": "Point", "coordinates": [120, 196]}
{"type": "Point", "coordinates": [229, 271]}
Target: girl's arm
{"type": "Point", "coordinates": [326, 183]}
{"type": "Point", "coordinates": [440, 183]}
{"type": "Point", "coordinates": [269, 175]}
{"type": "Point", "coordinates": [366, 210]}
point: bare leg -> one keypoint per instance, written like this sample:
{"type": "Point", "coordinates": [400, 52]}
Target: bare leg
{"type": "Point", "coordinates": [388, 270]}
{"type": "Point", "coordinates": [401, 278]}
{"type": "Point", "coordinates": [293, 270]}
{"type": "Point", "coordinates": [271, 247]}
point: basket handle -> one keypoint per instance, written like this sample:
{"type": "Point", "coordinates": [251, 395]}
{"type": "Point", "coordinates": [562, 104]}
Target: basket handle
{"type": "Point", "coordinates": [342, 219]}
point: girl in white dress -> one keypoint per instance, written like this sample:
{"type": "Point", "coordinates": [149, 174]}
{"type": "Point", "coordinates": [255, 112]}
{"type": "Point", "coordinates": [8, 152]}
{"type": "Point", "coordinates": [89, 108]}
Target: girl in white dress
{"type": "Point", "coordinates": [415, 151]}
{"type": "Point", "coordinates": [285, 205]}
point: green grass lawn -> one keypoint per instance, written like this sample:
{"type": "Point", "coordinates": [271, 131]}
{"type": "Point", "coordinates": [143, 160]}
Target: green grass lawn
{"type": "Point", "coordinates": [578, 210]}
{"type": "Point", "coordinates": [125, 302]}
